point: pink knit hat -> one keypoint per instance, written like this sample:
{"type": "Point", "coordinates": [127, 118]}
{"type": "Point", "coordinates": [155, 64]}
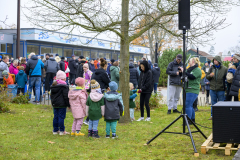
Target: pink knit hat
{"type": "Point", "coordinates": [85, 65]}
{"type": "Point", "coordinates": [60, 75]}
{"type": "Point", "coordinates": [80, 81]}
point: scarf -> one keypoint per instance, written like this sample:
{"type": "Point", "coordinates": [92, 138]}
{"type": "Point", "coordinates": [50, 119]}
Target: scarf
{"type": "Point", "coordinates": [78, 87]}
{"type": "Point", "coordinates": [59, 81]}
{"type": "Point", "coordinates": [218, 66]}
{"type": "Point", "coordinates": [190, 69]}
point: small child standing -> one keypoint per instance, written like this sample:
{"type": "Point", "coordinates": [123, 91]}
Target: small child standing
{"type": "Point", "coordinates": [95, 108]}
{"type": "Point", "coordinates": [87, 75]}
{"type": "Point", "coordinates": [113, 109]}
{"type": "Point", "coordinates": [132, 104]}
{"type": "Point", "coordinates": [21, 80]}
{"type": "Point", "coordinates": [60, 101]}
{"type": "Point", "coordinates": [77, 99]}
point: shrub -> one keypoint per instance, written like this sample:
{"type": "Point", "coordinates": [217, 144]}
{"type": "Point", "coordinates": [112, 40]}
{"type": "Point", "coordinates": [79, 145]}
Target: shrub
{"type": "Point", "coordinates": [20, 99]}
{"type": "Point", "coordinates": [4, 107]}
{"type": "Point", "coordinates": [154, 101]}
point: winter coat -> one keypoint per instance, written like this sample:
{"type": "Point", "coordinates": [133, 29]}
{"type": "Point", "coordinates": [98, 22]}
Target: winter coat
{"type": "Point", "coordinates": [66, 65]}
{"type": "Point", "coordinates": [194, 74]}
{"type": "Point", "coordinates": [51, 66]}
{"type": "Point", "coordinates": [156, 74]}
{"type": "Point", "coordinates": [24, 65]}
{"type": "Point", "coordinates": [3, 67]}
{"type": "Point", "coordinates": [133, 95]}
{"type": "Point", "coordinates": [59, 95]}
{"type": "Point", "coordinates": [113, 106]}
{"type": "Point", "coordinates": [114, 71]}
{"type": "Point", "coordinates": [207, 86]}
{"type": "Point", "coordinates": [21, 79]}
{"type": "Point", "coordinates": [146, 79]}
{"type": "Point", "coordinates": [235, 83]}
{"type": "Point", "coordinates": [62, 66]}
{"type": "Point", "coordinates": [108, 68]}
{"type": "Point", "coordinates": [87, 76]}
{"type": "Point", "coordinates": [95, 105]}
{"type": "Point", "coordinates": [13, 69]}
{"type": "Point", "coordinates": [77, 101]}
{"type": "Point", "coordinates": [34, 66]}
{"type": "Point", "coordinates": [134, 76]}
{"type": "Point", "coordinates": [92, 67]}
{"type": "Point", "coordinates": [172, 70]}
{"type": "Point", "coordinates": [96, 64]}
{"type": "Point", "coordinates": [217, 82]}
{"type": "Point", "coordinates": [72, 66]}
{"type": "Point", "coordinates": [80, 68]}
{"type": "Point", "coordinates": [9, 80]}
{"type": "Point", "coordinates": [100, 75]}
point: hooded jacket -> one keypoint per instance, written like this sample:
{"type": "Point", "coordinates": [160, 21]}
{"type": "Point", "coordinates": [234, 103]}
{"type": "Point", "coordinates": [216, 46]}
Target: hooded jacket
{"type": "Point", "coordinates": [217, 82]}
{"type": "Point", "coordinates": [34, 66]}
{"type": "Point", "coordinates": [62, 65]}
{"type": "Point", "coordinates": [146, 79]}
{"type": "Point", "coordinates": [59, 96]}
{"type": "Point", "coordinates": [100, 75]}
{"type": "Point", "coordinates": [172, 70]}
{"type": "Point", "coordinates": [13, 69]}
{"type": "Point", "coordinates": [113, 106]}
{"type": "Point", "coordinates": [96, 64]}
{"type": "Point", "coordinates": [72, 66]}
{"type": "Point", "coordinates": [95, 105]}
{"type": "Point", "coordinates": [156, 74]}
{"type": "Point", "coordinates": [114, 71]}
{"type": "Point", "coordinates": [77, 101]}
{"type": "Point", "coordinates": [51, 66]}
{"type": "Point", "coordinates": [3, 67]}
{"type": "Point", "coordinates": [21, 79]}
{"type": "Point", "coordinates": [134, 76]}
{"type": "Point", "coordinates": [9, 80]}
{"type": "Point", "coordinates": [235, 83]}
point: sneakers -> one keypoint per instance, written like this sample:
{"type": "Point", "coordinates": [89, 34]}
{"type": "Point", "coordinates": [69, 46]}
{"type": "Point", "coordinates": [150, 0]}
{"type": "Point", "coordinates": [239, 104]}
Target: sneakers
{"type": "Point", "coordinates": [107, 136]}
{"type": "Point", "coordinates": [176, 111]}
{"type": "Point", "coordinates": [86, 122]}
{"type": "Point", "coordinates": [169, 112]}
{"type": "Point", "coordinates": [210, 118]}
{"type": "Point", "coordinates": [72, 133]}
{"type": "Point", "coordinates": [148, 119]}
{"type": "Point", "coordinates": [140, 119]}
{"type": "Point", "coordinates": [62, 133]}
{"type": "Point", "coordinates": [114, 136]}
{"type": "Point", "coordinates": [55, 133]}
{"type": "Point", "coordinates": [79, 134]}
{"type": "Point", "coordinates": [37, 103]}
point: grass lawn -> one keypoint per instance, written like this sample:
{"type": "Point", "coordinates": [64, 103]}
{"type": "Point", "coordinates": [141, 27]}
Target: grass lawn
{"type": "Point", "coordinates": [25, 132]}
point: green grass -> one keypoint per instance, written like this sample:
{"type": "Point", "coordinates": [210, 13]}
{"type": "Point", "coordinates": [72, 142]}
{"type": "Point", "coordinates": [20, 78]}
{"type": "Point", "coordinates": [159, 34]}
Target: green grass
{"type": "Point", "coordinates": [25, 132]}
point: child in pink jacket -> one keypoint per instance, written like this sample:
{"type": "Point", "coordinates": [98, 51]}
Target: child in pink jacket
{"type": "Point", "coordinates": [77, 99]}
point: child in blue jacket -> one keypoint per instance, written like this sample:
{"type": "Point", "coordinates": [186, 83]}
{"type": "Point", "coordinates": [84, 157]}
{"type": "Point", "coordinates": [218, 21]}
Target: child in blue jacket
{"type": "Point", "coordinates": [21, 80]}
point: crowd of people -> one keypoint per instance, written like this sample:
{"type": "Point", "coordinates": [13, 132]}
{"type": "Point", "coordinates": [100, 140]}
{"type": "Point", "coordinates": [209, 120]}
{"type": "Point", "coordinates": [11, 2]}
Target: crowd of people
{"type": "Point", "coordinates": [93, 88]}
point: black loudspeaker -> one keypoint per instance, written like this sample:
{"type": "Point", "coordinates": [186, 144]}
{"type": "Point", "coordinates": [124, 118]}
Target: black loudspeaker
{"type": "Point", "coordinates": [183, 14]}
{"type": "Point", "coordinates": [226, 122]}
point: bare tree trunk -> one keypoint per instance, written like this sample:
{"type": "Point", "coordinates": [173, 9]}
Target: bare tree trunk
{"type": "Point", "coordinates": [124, 61]}
{"type": "Point", "coordinates": [150, 38]}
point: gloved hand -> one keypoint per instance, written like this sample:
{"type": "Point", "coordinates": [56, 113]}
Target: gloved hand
{"type": "Point", "coordinates": [139, 91]}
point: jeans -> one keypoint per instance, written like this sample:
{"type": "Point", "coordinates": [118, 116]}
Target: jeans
{"type": "Point", "coordinates": [112, 125]}
{"type": "Point", "coordinates": [144, 99]}
{"type": "Point", "coordinates": [58, 120]}
{"type": "Point", "coordinates": [67, 80]}
{"type": "Point", "coordinates": [34, 81]}
{"type": "Point", "coordinates": [216, 96]}
{"type": "Point", "coordinates": [190, 98]}
{"type": "Point", "coordinates": [131, 113]}
{"type": "Point", "coordinates": [93, 124]}
{"type": "Point", "coordinates": [155, 87]}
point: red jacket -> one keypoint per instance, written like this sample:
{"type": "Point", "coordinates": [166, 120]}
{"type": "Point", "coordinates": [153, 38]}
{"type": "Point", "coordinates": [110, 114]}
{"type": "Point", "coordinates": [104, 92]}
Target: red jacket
{"type": "Point", "coordinates": [66, 65]}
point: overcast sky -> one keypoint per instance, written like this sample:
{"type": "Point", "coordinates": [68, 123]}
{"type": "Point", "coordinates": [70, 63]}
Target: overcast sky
{"type": "Point", "coordinates": [224, 39]}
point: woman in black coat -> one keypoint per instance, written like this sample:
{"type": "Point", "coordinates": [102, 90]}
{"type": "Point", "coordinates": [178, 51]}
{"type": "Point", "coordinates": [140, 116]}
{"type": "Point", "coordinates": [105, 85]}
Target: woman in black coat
{"type": "Point", "coordinates": [101, 76]}
{"type": "Point", "coordinates": [73, 71]}
{"type": "Point", "coordinates": [146, 87]}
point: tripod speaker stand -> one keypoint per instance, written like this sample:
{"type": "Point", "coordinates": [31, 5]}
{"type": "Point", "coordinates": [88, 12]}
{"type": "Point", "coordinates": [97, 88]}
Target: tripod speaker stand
{"type": "Point", "coordinates": [184, 116]}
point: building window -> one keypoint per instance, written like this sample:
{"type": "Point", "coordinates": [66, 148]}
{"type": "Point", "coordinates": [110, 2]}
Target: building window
{"type": "Point", "coordinates": [78, 53]}
{"type": "Point", "coordinates": [9, 49]}
{"type": "Point", "coordinates": [58, 51]}
{"type": "Point", "coordinates": [32, 48]}
{"type": "Point", "coordinates": [108, 55]}
{"type": "Point", "coordinates": [102, 55]}
{"type": "Point", "coordinates": [86, 53]}
{"type": "Point", "coordinates": [68, 52]}
{"type": "Point", "coordinates": [46, 50]}
{"type": "Point", "coordinates": [114, 56]}
{"type": "Point", "coordinates": [135, 58]}
{"type": "Point", "coordinates": [94, 54]}
{"type": "Point", "coordinates": [3, 48]}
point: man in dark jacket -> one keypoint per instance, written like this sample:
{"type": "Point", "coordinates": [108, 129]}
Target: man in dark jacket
{"type": "Point", "coordinates": [81, 62]}
{"type": "Point", "coordinates": [62, 64]}
{"type": "Point", "coordinates": [217, 76]}
{"type": "Point", "coordinates": [33, 70]}
{"type": "Point", "coordinates": [134, 76]}
{"type": "Point", "coordinates": [175, 83]}
{"type": "Point", "coordinates": [51, 67]}
{"type": "Point", "coordinates": [156, 74]}
{"type": "Point", "coordinates": [73, 70]}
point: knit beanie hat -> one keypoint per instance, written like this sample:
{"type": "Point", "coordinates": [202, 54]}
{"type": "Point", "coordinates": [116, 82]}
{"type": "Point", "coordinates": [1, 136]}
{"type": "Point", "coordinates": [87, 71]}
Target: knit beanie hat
{"type": "Point", "coordinates": [85, 65]}
{"type": "Point", "coordinates": [112, 60]}
{"type": "Point", "coordinates": [80, 81]}
{"type": "Point", "coordinates": [94, 84]}
{"type": "Point", "coordinates": [113, 86]}
{"type": "Point", "coordinates": [60, 75]}
{"type": "Point", "coordinates": [81, 57]}
{"type": "Point", "coordinates": [62, 58]}
{"type": "Point", "coordinates": [5, 72]}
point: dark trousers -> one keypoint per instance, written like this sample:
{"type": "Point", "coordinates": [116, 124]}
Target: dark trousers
{"type": "Point", "coordinates": [49, 80]}
{"type": "Point", "coordinates": [155, 87]}
{"type": "Point", "coordinates": [208, 91]}
{"type": "Point", "coordinates": [195, 103]}
{"type": "Point", "coordinates": [58, 120]}
{"type": "Point", "coordinates": [72, 78]}
{"type": "Point", "coordinates": [144, 99]}
{"type": "Point", "coordinates": [229, 97]}
{"type": "Point", "coordinates": [1, 81]}
{"type": "Point", "coordinates": [20, 90]}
